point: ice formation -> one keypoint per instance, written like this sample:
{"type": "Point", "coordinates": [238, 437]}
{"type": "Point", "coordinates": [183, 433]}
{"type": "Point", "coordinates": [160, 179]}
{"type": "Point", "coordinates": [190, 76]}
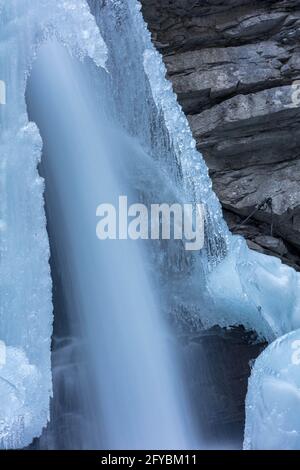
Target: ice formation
{"type": "Point", "coordinates": [273, 398]}
{"type": "Point", "coordinates": [25, 282]}
{"type": "Point", "coordinates": [21, 391]}
{"type": "Point", "coordinates": [255, 290]}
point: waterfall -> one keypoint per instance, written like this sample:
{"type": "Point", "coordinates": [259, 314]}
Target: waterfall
{"type": "Point", "coordinates": [136, 398]}
{"type": "Point", "coordinates": [103, 122]}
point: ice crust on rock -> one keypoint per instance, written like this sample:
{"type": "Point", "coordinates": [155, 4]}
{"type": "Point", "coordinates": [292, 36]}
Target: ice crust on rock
{"type": "Point", "coordinates": [20, 396]}
{"type": "Point", "coordinates": [273, 399]}
{"type": "Point", "coordinates": [255, 290]}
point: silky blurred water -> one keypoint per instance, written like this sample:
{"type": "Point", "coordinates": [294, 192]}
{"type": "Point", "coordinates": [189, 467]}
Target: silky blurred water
{"type": "Point", "coordinates": [132, 395]}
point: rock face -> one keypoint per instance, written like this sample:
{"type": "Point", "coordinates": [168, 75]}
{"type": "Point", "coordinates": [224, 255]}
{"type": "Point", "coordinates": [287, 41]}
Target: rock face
{"type": "Point", "coordinates": [217, 367]}
{"type": "Point", "coordinates": [235, 66]}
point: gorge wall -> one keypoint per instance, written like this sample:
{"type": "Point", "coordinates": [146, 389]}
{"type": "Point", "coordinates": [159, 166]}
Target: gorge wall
{"type": "Point", "coordinates": [234, 65]}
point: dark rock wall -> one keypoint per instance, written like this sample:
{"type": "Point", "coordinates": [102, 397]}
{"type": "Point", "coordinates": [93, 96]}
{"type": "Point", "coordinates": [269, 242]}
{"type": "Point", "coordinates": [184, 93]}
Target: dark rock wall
{"type": "Point", "coordinates": [217, 366]}
{"type": "Point", "coordinates": [234, 65]}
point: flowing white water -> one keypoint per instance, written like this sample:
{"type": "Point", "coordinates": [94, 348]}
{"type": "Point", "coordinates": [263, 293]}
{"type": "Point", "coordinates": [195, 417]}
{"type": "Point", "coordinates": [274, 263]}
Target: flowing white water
{"type": "Point", "coordinates": [136, 397]}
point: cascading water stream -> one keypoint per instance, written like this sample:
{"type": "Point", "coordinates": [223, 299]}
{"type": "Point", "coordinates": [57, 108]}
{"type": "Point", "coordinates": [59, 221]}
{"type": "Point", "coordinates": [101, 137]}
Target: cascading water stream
{"type": "Point", "coordinates": [137, 402]}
